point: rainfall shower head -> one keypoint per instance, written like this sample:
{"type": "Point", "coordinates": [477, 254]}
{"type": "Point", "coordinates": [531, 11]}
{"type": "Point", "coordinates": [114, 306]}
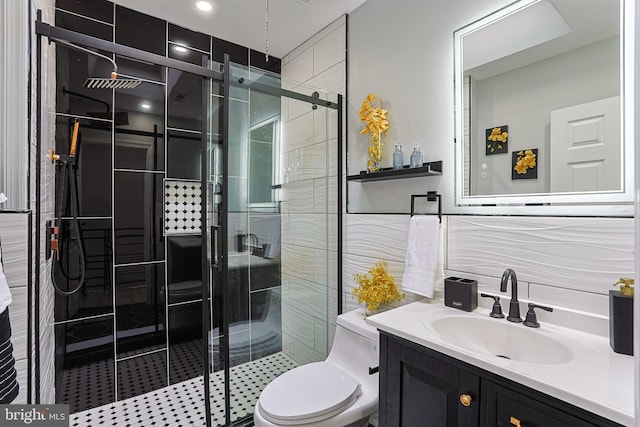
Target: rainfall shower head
{"type": "Point", "coordinates": [115, 81]}
{"type": "Point", "coordinates": [111, 83]}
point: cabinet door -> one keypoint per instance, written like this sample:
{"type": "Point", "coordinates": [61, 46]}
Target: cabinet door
{"type": "Point", "coordinates": [418, 388]}
{"type": "Point", "coordinates": [506, 407]}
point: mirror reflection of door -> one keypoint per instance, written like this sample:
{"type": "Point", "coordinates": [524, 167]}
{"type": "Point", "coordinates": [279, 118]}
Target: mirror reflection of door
{"type": "Point", "coordinates": [586, 147]}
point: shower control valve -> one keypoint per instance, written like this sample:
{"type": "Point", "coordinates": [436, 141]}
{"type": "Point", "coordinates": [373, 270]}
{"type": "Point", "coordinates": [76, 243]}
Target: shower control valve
{"type": "Point", "coordinates": [53, 245]}
{"type": "Point", "coordinates": [53, 156]}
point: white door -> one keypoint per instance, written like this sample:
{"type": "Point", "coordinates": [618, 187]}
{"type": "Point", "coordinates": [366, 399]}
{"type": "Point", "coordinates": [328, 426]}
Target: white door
{"type": "Point", "coordinates": [585, 147]}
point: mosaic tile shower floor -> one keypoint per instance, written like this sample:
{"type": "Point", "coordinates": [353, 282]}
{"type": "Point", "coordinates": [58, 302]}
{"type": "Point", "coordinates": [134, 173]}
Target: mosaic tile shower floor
{"type": "Point", "coordinates": [182, 404]}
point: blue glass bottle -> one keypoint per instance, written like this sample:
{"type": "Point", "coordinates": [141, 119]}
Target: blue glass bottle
{"type": "Point", "coordinates": [413, 160]}
{"type": "Point", "coordinates": [418, 157]}
{"type": "Point", "coordinates": [398, 157]}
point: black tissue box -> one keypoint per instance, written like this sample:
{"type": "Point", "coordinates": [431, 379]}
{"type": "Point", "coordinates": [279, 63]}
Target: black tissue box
{"type": "Point", "coordinates": [461, 293]}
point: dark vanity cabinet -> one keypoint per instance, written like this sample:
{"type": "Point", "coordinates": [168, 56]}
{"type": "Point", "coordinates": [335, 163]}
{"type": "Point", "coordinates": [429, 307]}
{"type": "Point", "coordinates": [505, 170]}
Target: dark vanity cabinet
{"type": "Point", "coordinates": [420, 387]}
{"type": "Point", "coordinates": [418, 390]}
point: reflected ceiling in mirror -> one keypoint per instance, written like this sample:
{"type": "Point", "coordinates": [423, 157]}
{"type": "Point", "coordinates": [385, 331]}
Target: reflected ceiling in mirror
{"type": "Point", "coordinates": [540, 105]}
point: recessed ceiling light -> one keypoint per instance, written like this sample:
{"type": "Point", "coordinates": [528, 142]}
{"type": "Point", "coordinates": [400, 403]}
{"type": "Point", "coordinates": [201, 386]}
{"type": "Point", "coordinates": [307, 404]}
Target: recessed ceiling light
{"type": "Point", "coordinates": [179, 49]}
{"type": "Point", "coordinates": [204, 6]}
{"type": "Point", "coordinates": [145, 106]}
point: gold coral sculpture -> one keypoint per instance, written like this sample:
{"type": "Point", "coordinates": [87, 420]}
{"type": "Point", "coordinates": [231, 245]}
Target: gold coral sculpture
{"type": "Point", "coordinates": [376, 287]}
{"type": "Point", "coordinates": [376, 123]}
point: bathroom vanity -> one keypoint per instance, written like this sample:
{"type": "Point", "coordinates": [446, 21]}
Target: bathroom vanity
{"type": "Point", "coordinates": [422, 387]}
{"type": "Point", "coordinates": [430, 375]}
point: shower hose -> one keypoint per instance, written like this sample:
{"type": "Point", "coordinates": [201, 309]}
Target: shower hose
{"type": "Point", "coordinates": [68, 170]}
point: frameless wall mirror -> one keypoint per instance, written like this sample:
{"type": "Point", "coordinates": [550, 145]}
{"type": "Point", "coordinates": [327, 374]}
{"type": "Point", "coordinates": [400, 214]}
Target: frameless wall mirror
{"type": "Point", "coordinates": [541, 111]}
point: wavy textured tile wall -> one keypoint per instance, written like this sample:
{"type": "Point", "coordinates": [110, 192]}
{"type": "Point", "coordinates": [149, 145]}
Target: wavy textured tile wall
{"type": "Point", "coordinates": [584, 254]}
{"type": "Point", "coordinates": [567, 262]}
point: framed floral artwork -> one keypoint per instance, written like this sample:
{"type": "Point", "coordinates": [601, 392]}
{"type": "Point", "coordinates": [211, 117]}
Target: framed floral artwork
{"type": "Point", "coordinates": [497, 140]}
{"type": "Point", "coordinates": [524, 164]}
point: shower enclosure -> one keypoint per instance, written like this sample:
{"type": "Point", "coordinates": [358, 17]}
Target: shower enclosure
{"type": "Point", "coordinates": [281, 233]}
{"type": "Point", "coordinates": [208, 202]}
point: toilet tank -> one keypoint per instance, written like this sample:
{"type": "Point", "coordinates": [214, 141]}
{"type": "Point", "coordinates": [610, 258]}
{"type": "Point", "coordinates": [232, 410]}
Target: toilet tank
{"type": "Point", "coordinates": [355, 345]}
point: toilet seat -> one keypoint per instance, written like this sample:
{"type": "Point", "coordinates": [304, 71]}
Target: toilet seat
{"type": "Point", "coordinates": [309, 393]}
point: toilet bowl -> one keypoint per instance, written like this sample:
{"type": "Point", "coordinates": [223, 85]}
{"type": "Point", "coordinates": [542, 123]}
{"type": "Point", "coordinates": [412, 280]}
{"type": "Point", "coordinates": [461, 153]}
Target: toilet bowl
{"type": "Point", "coordinates": [335, 393]}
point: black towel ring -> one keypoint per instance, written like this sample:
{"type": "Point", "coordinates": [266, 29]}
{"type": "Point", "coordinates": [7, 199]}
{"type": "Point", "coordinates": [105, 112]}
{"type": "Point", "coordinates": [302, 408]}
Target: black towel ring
{"type": "Point", "coordinates": [431, 196]}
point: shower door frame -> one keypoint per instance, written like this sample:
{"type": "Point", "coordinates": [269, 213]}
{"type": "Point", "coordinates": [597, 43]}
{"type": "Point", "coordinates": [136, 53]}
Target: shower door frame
{"type": "Point", "coordinates": [53, 33]}
{"type": "Point", "coordinates": [222, 234]}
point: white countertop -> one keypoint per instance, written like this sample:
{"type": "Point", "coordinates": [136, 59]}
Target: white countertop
{"type": "Point", "coordinates": [596, 378]}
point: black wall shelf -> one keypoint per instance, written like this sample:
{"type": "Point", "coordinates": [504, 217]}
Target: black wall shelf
{"type": "Point", "coordinates": [428, 169]}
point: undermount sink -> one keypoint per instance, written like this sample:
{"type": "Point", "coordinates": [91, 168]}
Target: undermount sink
{"type": "Point", "coordinates": [500, 338]}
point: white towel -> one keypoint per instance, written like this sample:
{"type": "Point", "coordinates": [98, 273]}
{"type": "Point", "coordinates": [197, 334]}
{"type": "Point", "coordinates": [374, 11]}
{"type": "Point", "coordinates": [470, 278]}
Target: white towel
{"type": "Point", "coordinates": [5, 292]}
{"type": "Point", "coordinates": [424, 265]}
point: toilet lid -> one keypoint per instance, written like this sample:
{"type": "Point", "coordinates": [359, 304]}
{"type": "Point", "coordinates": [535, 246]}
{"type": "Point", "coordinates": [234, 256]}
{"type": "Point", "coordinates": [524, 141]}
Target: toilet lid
{"type": "Point", "coordinates": [310, 392]}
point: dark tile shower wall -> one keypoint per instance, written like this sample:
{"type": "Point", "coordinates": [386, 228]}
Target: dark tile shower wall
{"type": "Point", "coordinates": [135, 325]}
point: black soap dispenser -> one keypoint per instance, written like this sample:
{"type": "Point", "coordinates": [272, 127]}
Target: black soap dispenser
{"type": "Point", "coordinates": [621, 317]}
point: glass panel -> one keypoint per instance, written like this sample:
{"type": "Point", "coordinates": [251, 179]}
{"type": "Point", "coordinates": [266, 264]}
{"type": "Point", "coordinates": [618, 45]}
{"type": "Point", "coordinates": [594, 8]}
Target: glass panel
{"type": "Point", "coordinates": [183, 154]}
{"type": "Point", "coordinates": [138, 217]}
{"type": "Point", "coordinates": [184, 100]}
{"type": "Point", "coordinates": [280, 254]}
{"type": "Point", "coordinates": [84, 352]}
{"type": "Point", "coordinates": [140, 308]}
{"type": "Point", "coordinates": [184, 268]}
{"type": "Point", "coordinates": [95, 298]}
{"type": "Point", "coordinates": [73, 68]}
{"type": "Point", "coordinates": [185, 341]}
{"type": "Point", "coordinates": [92, 169]}
{"type": "Point", "coordinates": [139, 127]}
{"type": "Point", "coordinates": [142, 374]}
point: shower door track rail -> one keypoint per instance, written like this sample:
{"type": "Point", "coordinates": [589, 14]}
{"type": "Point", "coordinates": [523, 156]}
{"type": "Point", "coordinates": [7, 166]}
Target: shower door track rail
{"type": "Point", "coordinates": [55, 33]}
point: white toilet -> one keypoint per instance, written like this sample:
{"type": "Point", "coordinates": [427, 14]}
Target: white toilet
{"type": "Point", "coordinates": [335, 393]}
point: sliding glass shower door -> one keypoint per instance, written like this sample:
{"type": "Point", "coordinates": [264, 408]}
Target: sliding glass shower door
{"type": "Point", "coordinates": [272, 215]}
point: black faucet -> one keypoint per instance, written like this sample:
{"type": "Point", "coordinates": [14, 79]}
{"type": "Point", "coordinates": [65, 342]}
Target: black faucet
{"type": "Point", "coordinates": [514, 305]}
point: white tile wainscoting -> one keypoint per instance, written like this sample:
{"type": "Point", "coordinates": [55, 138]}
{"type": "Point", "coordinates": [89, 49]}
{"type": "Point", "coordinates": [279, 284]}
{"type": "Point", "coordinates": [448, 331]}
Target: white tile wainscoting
{"type": "Point", "coordinates": [561, 261]}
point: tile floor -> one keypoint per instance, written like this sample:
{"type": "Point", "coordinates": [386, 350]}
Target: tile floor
{"type": "Point", "coordinates": [182, 404]}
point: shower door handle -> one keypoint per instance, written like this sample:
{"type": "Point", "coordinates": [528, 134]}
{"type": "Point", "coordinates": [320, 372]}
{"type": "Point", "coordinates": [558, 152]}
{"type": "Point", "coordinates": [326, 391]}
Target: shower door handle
{"type": "Point", "coordinates": [216, 244]}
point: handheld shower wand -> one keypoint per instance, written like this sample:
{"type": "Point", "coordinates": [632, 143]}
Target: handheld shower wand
{"type": "Point", "coordinates": [68, 168]}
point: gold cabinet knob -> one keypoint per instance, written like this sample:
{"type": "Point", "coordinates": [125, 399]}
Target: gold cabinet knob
{"type": "Point", "coordinates": [515, 421]}
{"type": "Point", "coordinates": [465, 399]}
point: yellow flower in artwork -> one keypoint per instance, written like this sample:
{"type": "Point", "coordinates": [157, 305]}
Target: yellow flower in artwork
{"type": "Point", "coordinates": [526, 159]}
{"type": "Point", "coordinates": [498, 136]}
{"type": "Point", "coordinates": [376, 287]}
